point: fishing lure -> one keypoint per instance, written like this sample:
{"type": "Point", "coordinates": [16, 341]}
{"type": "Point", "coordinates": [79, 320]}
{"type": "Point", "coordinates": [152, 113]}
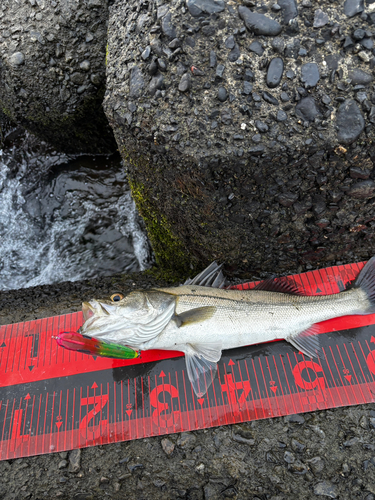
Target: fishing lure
{"type": "Point", "coordinates": [88, 345]}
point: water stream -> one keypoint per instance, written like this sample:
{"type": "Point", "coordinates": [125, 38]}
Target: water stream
{"type": "Point", "coordinates": [63, 218]}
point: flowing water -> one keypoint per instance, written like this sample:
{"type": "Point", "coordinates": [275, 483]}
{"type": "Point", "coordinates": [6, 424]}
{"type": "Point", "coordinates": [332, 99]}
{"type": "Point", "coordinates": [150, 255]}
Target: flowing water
{"type": "Point", "coordinates": [65, 219]}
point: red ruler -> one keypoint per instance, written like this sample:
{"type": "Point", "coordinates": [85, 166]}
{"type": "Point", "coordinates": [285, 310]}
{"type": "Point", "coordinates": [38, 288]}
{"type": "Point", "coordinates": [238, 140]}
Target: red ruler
{"type": "Point", "coordinates": [52, 399]}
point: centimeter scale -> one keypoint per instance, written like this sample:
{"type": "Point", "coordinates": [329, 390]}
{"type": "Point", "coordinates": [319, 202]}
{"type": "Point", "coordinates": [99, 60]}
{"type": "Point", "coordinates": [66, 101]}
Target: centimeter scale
{"type": "Point", "coordinates": [52, 399]}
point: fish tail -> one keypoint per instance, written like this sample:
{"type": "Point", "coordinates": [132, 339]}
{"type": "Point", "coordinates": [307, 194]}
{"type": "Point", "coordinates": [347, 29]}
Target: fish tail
{"type": "Point", "coordinates": [88, 345]}
{"type": "Point", "coordinates": [366, 282]}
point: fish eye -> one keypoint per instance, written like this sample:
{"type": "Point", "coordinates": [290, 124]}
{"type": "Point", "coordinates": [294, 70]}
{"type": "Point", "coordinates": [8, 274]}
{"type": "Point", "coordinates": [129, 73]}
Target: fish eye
{"type": "Point", "coordinates": [116, 297]}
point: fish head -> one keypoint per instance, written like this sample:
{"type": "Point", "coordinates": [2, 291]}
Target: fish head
{"type": "Point", "coordinates": [119, 320]}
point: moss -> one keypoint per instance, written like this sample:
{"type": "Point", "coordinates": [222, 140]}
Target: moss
{"type": "Point", "coordinates": [172, 258]}
{"type": "Point", "coordinates": [106, 54]}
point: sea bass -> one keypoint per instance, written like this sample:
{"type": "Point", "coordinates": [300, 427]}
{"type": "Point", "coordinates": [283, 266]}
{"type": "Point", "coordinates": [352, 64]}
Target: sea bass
{"type": "Point", "coordinates": [202, 321]}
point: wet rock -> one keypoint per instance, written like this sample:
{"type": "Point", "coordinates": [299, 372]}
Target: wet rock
{"type": "Point", "coordinates": [136, 82]}
{"type": "Point", "coordinates": [289, 8]}
{"type": "Point", "coordinates": [360, 77]}
{"type": "Point", "coordinates": [320, 19]}
{"type": "Point", "coordinates": [325, 488]}
{"type": "Point", "coordinates": [259, 23]}
{"type": "Point", "coordinates": [287, 199]}
{"type": "Point", "coordinates": [349, 122]}
{"type": "Point", "coordinates": [199, 7]}
{"type": "Point", "coordinates": [16, 59]}
{"type": "Point", "coordinates": [185, 82]}
{"type": "Point", "coordinates": [361, 190]}
{"type": "Point", "coordinates": [275, 72]}
{"type": "Point", "coordinates": [257, 48]}
{"type": "Point", "coordinates": [307, 109]}
{"type": "Point", "coordinates": [353, 7]}
{"type": "Point", "coordinates": [310, 75]}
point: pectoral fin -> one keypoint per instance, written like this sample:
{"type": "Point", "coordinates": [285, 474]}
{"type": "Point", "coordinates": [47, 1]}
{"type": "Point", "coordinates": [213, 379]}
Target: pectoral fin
{"type": "Point", "coordinates": [195, 315]}
{"type": "Point", "coordinates": [201, 364]}
{"type": "Point", "coordinates": [307, 342]}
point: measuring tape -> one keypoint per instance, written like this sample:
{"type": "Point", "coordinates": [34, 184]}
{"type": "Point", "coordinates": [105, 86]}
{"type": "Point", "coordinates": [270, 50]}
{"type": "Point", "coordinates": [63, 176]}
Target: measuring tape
{"type": "Point", "coordinates": [52, 399]}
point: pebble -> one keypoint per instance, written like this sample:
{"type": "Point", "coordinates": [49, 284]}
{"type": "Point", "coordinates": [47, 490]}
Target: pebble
{"type": "Point", "coordinates": [349, 121]}
{"type": "Point", "coordinates": [247, 87]}
{"type": "Point", "coordinates": [85, 65]}
{"type": "Point", "coordinates": [360, 77]}
{"type": "Point", "coordinates": [136, 82]}
{"type": "Point", "coordinates": [325, 488]}
{"type": "Point", "coordinates": [289, 8]}
{"type": "Point", "coordinates": [261, 126]}
{"type": "Point", "coordinates": [63, 464]}
{"type": "Point", "coordinates": [306, 109]}
{"type": "Point", "coordinates": [185, 82]}
{"type": "Point", "coordinates": [295, 419]}
{"type": "Point", "coordinates": [146, 53]}
{"type": "Point", "coordinates": [320, 19]}
{"type": "Point", "coordinates": [230, 42]}
{"type": "Point", "coordinates": [287, 199]}
{"type": "Point", "coordinates": [281, 116]}
{"type": "Point", "coordinates": [168, 446]}
{"type": "Point", "coordinates": [257, 48]}
{"type": "Point", "coordinates": [362, 191]}
{"type": "Point", "coordinates": [367, 43]}
{"type": "Point", "coordinates": [222, 94]}
{"type": "Point", "coordinates": [275, 72]}
{"type": "Point", "coordinates": [74, 460]}
{"type": "Point", "coordinates": [166, 26]}
{"type": "Point", "coordinates": [213, 59]}
{"type": "Point", "coordinates": [186, 440]}
{"type": "Point", "coordinates": [234, 54]}
{"type": "Point", "coordinates": [16, 59]}
{"type": "Point", "coordinates": [199, 7]}
{"type": "Point", "coordinates": [156, 83]}
{"type": "Point", "coordinates": [316, 463]}
{"type": "Point", "coordinates": [270, 98]}
{"type": "Point", "coordinates": [310, 75]}
{"type": "Point", "coordinates": [278, 44]}
{"type": "Point", "coordinates": [353, 7]}
{"type": "Point", "coordinates": [220, 70]}
{"type": "Point", "coordinates": [259, 23]}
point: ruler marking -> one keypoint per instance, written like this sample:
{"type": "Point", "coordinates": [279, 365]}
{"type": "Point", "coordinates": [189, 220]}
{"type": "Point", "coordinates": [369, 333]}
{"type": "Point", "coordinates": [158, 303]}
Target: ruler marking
{"type": "Point", "coordinates": [280, 384]}
{"type": "Point", "coordinates": [354, 371]}
{"type": "Point", "coordinates": [259, 393]}
{"type": "Point", "coordinates": [298, 389]}
{"type": "Point", "coordinates": [222, 395]}
{"type": "Point", "coordinates": [336, 394]}
{"type": "Point", "coordinates": [339, 373]}
{"type": "Point", "coordinates": [243, 389]}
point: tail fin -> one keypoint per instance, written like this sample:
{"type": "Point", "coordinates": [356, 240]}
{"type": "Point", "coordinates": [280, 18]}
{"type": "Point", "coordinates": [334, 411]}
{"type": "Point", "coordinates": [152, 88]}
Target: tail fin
{"type": "Point", "coordinates": [366, 281]}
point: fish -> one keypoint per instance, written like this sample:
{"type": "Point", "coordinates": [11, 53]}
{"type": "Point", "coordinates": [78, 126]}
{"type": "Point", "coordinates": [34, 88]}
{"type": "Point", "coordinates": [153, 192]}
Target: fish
{"type": "Point", "coordinates": [203, 317]}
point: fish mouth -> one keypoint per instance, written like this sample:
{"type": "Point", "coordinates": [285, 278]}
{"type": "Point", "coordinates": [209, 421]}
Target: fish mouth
{"type": "Point", "coordinates": [95, 308]}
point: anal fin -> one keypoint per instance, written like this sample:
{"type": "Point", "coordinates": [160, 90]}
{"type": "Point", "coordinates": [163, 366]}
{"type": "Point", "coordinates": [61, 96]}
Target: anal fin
{"type": "Point", "coordinates": [307, 341]}
{"type": "Point", "coordinates": [201, 364]}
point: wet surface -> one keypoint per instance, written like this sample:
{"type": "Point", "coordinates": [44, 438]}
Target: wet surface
{"type": "Point", "coordinates": [65, 218]}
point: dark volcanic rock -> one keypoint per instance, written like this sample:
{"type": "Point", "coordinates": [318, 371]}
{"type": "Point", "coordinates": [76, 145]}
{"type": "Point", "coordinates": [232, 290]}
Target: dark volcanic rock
{"type": "Point", "coordinates": [199, 7]}
{"type": "Point", "coordinates": [275, 72]}
{"type": "Point", "coordinates": [259, 23]}
{"type": "Point", "coordinates": [360, 77]}
{"type": "Point", "coordinates": [136, 82]}
{"type": "Point", "coordinates": [256, 47]}
{"type": "Point", "coordinates": [353, 7]}
{"type": "Point", "coordinates": [289, 8]}
{"type": "Point", "coordinates": [307, 109]}
{"type": "Point", "coordinates": [350, 122]}
{"type": "Point", "coordinates": [320, 18]}
{"type": "Point", "coordinates": [362, 190]}
{"type": "Point", "coordinates": [310, 75]}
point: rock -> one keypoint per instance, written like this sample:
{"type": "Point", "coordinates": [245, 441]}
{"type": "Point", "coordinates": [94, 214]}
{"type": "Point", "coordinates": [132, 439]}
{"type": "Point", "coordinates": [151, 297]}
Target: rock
{"type": "Point", "coordinates": [362, 191]}
{"type": "Point", "coordinates": [168, 446]}
{"type": "Point", "coordinates": [136, 82]}
{"type": "Point", "coordinates": [289, 8]}
{"type": "Point", "coordinates": [256, 47]}
{"type": "Point", "coordinates": [353, 7]}
{"type": "Point", "coordinates": [278, 45]}
{"type": "Point", "coordinates": [16, 59]}
{"type": "Point", "coordinates": [199, 7]}
{"type": "Point", "coordinates": [325, 488]}
{"type": "Point", "coordinates": [270, 98]}
{"type": "Point", "coordinates": [167, 28]}
{"type": "Point", "coordinates": [74, 460]}
{"type": "Point", "coordinates": [41, 47]}
{"type": "Point", "coordinates": [310, 75]}
{"type": "Point", "coordinates": [186, 440]}
{"type": "Point", "coordinates": [281, 116]}
{"type": "Point", "coordinates": [320, 19]}
{"type": "Point", "coordinates": [316, 465]}
{"type": "Point", "coordinates": [275, 72]}
{"type": "Point", "coordinates": [222, 94]}
{"type": "Point", "coordinates": [185, 82]}
{"type": "Point", "coordinates": [360, 77]}
{"type": "Point", "coordinates": [261, 126]}
{"type": "Point", "coordinates": [287, 199]}
{"type": "Point", "coordinates": [306, 109]}
{"type": "Point", "coordinates": [259, 23]}
{"type": "Point", "coordinates": [349, 122]}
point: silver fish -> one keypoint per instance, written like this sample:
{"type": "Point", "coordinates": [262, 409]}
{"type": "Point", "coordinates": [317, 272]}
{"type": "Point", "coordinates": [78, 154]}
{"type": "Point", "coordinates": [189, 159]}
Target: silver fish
{"type": "Point", "coordinates": [201, 321]}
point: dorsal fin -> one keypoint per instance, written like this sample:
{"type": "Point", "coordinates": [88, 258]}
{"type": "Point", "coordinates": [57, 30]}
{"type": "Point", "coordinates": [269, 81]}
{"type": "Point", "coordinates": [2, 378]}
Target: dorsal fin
{"type": "Point", "coordinates": [279, 285]}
